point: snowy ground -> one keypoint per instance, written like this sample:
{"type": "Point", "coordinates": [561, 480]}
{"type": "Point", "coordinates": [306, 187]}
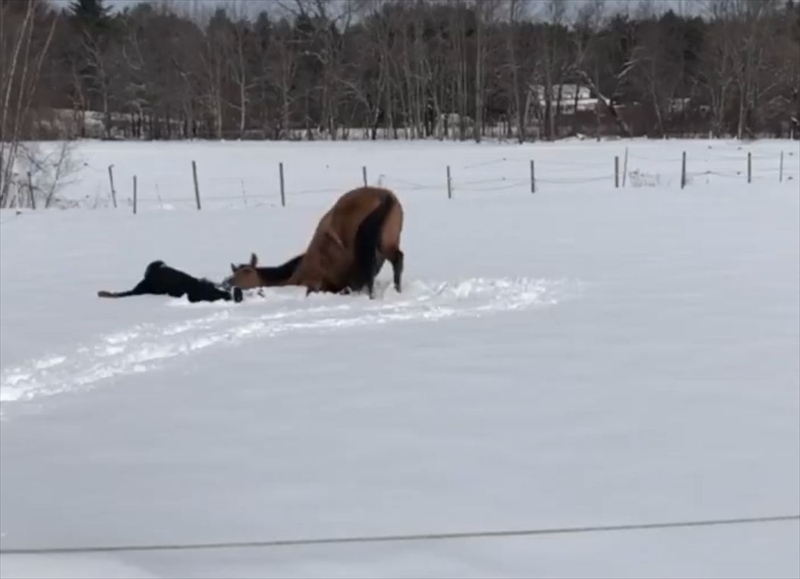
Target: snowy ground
{"type": "Point", "coordinates": [582, 356]}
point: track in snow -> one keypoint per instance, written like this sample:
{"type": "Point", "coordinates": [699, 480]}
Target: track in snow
{"type": "Point", "coordinates": [147, 347]}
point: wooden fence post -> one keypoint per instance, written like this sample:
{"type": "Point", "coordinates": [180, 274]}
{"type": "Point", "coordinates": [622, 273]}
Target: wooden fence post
{"type": "Point", "coordinates": [683, 170]}
{"type": "Point", "coordinates": [616, 171]}
{"type": "Point", "coordinates": [111, 181]}
{"type": "Point", "coordinates": [283, 190]}
{"type": "Point", "coordinates": [625, 167]}
{"type": "Point", "coordinates": [135, 198]}
{"type": "Point", "coordinates": [30, 191]}
{"type": "Point", "coordinates": [196, 186]}
{"type": "Point", "coordinates": [780, 170]}
{"type": "Point", "coordinates": [449, 184]}
{"type": "Point", "coordinates": [533, 177]}
{"type": "Point", "coordinates": [364, 174]}
{"type": "Point", "coordinates": [749, 167]}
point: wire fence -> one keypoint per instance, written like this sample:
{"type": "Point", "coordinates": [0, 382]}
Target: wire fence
{"type": "Point", "coordinates": [426, 537]}
{"type": "Point", "coordinates": [201, 184]}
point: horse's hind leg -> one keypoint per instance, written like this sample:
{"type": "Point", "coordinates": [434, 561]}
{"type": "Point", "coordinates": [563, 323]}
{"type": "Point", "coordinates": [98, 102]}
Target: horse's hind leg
{"type": "Point", "coordinates": [397, 259]}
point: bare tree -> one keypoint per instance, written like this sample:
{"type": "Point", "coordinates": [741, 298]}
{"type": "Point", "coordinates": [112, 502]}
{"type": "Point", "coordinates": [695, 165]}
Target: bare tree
{"type": "Point", "coordinates": [27, 30]}
{"type": "Point", "coordinates": [597, 65]}
{"type": "Point", "coordinates": [717, 71]}
{"type": "Point", "coordinates": [274, 73]}
{"type": "Point", "coordinates": [517, 55]}
{"type": "Point", "coordinates": [236, 40]}
{"type": "Point", "coordinates": [486, 11]}
{"type": "Point", "coordinates": [658, 69]}
{"type": "Point", "coordinates": [46, 170]}
{"type": "Point", "coordinates": [101, 58]}
{"type": "Point", "coordinates": [588, 48]}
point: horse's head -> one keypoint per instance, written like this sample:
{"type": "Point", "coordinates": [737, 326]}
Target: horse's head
{"type": "Point", "coordinates": [245, 275]}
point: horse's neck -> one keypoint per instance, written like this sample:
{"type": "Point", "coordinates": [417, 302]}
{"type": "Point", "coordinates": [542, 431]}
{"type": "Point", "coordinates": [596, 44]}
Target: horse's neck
{"type": "Point", "coordinates": [271, 276]}
{"type": "Point", "coordinates": [323, 263]}
{"type": "Point", "coordinates": [282, 274]}
{"type": "Point", "coordinates": [303, 272]}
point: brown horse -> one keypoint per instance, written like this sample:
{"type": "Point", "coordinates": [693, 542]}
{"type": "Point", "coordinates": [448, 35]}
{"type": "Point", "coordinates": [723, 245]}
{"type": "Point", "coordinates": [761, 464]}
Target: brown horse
{"type": "Point", "coordinates": [350, 245]}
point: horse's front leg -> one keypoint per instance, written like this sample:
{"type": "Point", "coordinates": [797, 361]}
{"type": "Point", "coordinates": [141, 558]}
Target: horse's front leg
{"type": "Point", "coordinates": [315, 287]}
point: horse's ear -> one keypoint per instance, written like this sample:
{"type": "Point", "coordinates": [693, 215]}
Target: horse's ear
{"type": "Point", "coordinates": [253, 259]}
{"type": "Point", "coordinates": [233, 268]}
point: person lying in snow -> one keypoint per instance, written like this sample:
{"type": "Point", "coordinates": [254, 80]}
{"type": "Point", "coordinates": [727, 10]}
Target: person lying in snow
{"type": "Point", "coordinates": [161, 279]}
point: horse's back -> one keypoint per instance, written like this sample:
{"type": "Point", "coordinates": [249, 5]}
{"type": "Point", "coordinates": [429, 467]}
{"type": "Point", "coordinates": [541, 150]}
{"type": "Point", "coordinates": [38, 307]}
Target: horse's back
{"type": "Point", "coordinates": [354, 206]}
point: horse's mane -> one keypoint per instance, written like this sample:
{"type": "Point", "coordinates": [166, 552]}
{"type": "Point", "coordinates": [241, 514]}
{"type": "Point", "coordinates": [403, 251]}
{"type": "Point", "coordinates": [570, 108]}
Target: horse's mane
{"type": "Point", "coordinates": [281, 272]}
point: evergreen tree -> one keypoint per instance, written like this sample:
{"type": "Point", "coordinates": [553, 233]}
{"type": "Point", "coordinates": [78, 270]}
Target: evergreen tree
{"type": "Point", "coordinates": [90, 14]}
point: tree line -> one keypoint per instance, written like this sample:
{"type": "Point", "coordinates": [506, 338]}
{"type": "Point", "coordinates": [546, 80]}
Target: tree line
{"type": "Point", "coordinates": [344, 69]}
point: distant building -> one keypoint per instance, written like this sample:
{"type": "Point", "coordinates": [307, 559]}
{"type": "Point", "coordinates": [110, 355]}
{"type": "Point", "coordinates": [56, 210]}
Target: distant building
{"type": "Point", "coordinates": [566, 105]}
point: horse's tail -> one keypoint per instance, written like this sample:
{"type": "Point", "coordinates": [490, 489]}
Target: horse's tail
{"type": "Point", "coordinates": [367, 240]}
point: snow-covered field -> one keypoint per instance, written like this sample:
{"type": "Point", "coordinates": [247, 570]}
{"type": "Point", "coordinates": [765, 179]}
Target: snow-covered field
{"type": "Point", "coordinates": [585, 355]}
